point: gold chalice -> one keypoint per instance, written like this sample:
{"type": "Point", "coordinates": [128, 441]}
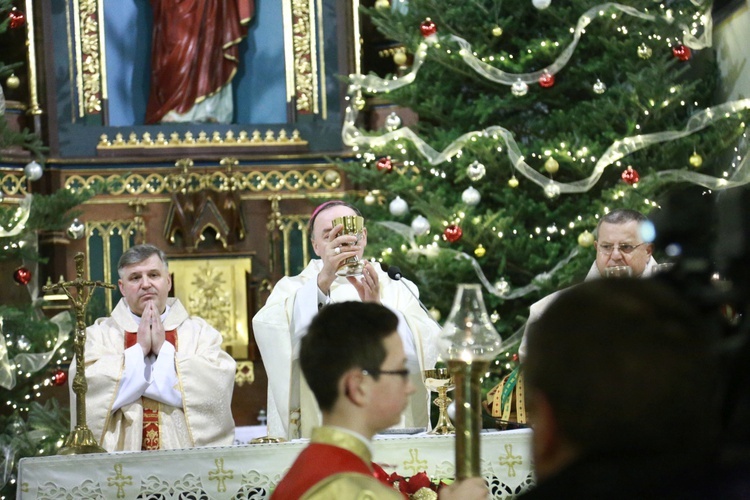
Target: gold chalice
{"type": "Point", "coordinates": [353, 225]}
{"type": "Point", "coordinates": [440, 380]}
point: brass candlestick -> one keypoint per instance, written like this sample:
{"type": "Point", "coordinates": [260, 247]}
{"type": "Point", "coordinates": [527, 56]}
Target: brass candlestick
{"type": "Point", "coordinates": [80, 440]}
{"type": "Point", "coordinates": [439, 380]}
{"type": "Point", "coordinates": [470, 342]}
{"type": "Point", "coordinates": [467, 376]}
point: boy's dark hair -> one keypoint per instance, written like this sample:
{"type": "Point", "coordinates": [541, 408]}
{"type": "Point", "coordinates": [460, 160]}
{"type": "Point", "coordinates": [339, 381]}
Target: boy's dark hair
{"type": "Point", "coordinates": [343, 336]}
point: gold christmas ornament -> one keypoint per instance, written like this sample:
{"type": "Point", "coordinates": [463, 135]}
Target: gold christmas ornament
{"type": "Point", "coordinates": [585, 239]}
{"type": "Point", "coordinates": [425, 493]}
{"type": "Point", "coordinates": [419, 188]}
{"type": "Point", "coordinates": [551, 165]}
{"type": "Point", "coordinates": [696, 160]}
{"type": "Point", "coordinates": [359, 102]}
{"type": "Point", "coordinates": [370, 199]}
{"type": "Point", "coordinates": [435, 313]}
{"type": "Point", "coordinates": [513, 182]}
{"type": "Point", "coordinates": [480, 251]}
{"type": "Point", "coordinates": [644, 51]}
{"type": "Point", "coordinates": [497, 31]}
{"type": "Point", "coordinates": [13, 82]}
{"type": "Point", "coordinates": [382, 4]}
{"type": "Point", "coordinates": [400, 58]}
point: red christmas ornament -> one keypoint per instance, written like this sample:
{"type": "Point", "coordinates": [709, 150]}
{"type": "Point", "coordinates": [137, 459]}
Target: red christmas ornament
{"type": "Point", "coordinates": [17, 18]}
{"type": "Point", "coordinates": [428, 27]}
{"type": "Point", "coordinates": [515, 356]}
{"type": "Point", "coordinates": [384, 164]}
{"type": "Point", "coordinates": [453, 233]}
{"type": "Point", "coordinates": [22, 276]}
{"type": "Point", "coordinates": [630, 175]}
{"type": "Point", "coordinates": [682, 53]}
{"type": "Point", "coordinates": [59, 378]}
{"type": "Point", "coordinates": [546, 80]}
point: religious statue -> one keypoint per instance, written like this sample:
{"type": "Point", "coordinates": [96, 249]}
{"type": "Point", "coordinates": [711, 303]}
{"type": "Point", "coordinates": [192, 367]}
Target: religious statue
{"type": "Point", "coordinates": [194, 56]}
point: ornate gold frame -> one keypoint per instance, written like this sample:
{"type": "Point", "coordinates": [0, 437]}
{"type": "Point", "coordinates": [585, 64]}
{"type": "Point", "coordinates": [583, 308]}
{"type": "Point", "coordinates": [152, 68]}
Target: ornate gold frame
{"type": "Point", "coordinates": [302, 35]}
{"type": "Point", "coordinates": [90, 70]}
{"type": "Point", "coordinates": [216, 290]}
{"type": "Point", "coordinates": [303, 44]}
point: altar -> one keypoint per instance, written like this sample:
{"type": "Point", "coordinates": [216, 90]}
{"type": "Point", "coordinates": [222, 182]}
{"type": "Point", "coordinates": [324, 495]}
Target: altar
{"type": "Point", "coordinates": [251, 471]}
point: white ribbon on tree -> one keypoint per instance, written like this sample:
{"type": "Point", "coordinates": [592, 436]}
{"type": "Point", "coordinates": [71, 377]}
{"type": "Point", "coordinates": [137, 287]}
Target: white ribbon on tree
{"type": "Point", "coordinates": [619, 149]}
{"type": "Point", "coordinates": [32, 362]}
{"type": "Point", "coordinates": [18, 223]}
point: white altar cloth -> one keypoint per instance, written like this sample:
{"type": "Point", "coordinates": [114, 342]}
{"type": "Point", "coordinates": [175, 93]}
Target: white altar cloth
{"type": "Point", "coordinates": [251, 471]}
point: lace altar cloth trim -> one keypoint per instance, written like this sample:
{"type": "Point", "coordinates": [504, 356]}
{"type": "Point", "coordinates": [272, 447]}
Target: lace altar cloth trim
{"type": "Point", "coordinates": [251, 471]}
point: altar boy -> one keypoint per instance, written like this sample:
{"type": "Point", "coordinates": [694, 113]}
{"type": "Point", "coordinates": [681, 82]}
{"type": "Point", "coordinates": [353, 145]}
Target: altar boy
{"type": "Point", "coordinates": [354, 362]}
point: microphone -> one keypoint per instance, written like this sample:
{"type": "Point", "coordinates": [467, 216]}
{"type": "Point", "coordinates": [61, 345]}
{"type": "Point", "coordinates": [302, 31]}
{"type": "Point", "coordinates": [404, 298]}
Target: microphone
{"type": "Point", "coordinates": [394, 272]}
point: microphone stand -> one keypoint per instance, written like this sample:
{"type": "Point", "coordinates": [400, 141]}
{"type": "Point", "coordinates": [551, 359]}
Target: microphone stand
{"type": "Point", "coordinates": [395, 274]}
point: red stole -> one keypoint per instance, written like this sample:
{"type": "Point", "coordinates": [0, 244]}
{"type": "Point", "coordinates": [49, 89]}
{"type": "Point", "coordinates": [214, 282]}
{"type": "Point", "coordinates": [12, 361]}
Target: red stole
{"type": "Point", "coordinates": [317, 462]}
{"type": "Point", "coordinates": [151, 422]}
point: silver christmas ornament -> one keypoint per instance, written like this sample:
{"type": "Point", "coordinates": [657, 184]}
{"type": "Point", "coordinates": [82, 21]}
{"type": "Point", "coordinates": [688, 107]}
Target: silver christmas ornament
{"type": "Point", "coordinates": [23, 343]}
{"type": "Point", "coordinates": [519, 88]}
{"type": "Point", "coordinates": [471, 196]}
{"type": "Point", "coordinates": [420, 225]}
{"type": "Point", "coordinates": [398, 207]}
{"type": "Point", "coordinates": [33, 171]}
{"type": "Point", "coordinates": [502, 287]}
{"type": "Point", "coordinates": [392, 122]}
{"type": "Point", "coordinates": [476, 171]}
{"type": "Point", "coordinates": [552, 190]}
{"type": "Point", "coordinates": [370, 199]}
{"type": "Point", "coordinates": [541, 4]}
{"type": "Point", "coordinates": [600, 87]}
{"type": "Point", "coordinates": [76, 229]}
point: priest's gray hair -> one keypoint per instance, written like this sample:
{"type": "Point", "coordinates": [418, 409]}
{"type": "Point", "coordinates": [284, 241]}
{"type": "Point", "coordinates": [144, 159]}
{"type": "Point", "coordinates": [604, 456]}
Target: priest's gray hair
{"type": "Point", "coordinates": [139, 253]}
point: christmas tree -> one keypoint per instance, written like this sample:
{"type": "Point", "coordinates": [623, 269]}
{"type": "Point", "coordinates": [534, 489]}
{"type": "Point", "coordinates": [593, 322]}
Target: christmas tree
{"type": "Point", "coordinates": [34, 349]}
{"type": "Point", "coordinates": [535, 117]}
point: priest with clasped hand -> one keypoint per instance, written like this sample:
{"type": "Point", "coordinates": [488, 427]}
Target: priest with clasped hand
{"type": "Point", "coordinates": [157, 377]}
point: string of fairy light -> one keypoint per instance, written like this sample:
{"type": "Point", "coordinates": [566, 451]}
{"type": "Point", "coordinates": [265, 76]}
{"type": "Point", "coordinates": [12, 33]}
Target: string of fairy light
{"type": "Point", "coordinates": [695, 36]}
{"type": "Point", "coordinates": [25, 364]}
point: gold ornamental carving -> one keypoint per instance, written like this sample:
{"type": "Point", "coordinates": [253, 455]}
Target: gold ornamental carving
{"type": "Point", "coordinates": [12, 184]}
{"type": "Point", "coordinates": [245, 373]}
{"type": "Point", "coordinates": [252, 181]}
{"type": "Point", "coordinates": [303, 42]}
{"type": "Point", "coordinates": [216, 290]}
{"type": "Point", "coordinates": [159, 141]}
{"type": "Point", "coordinates": [89, 57]}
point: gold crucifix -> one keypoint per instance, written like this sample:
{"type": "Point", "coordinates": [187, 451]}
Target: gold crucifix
{"type": "Point", "coordinates": [80, 440]}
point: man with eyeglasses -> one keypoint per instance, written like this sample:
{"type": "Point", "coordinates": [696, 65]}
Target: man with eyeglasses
{"type": "Point", "coordinates": [618, 244]}
{"type": "Point", "coordinates": [354, 362]}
